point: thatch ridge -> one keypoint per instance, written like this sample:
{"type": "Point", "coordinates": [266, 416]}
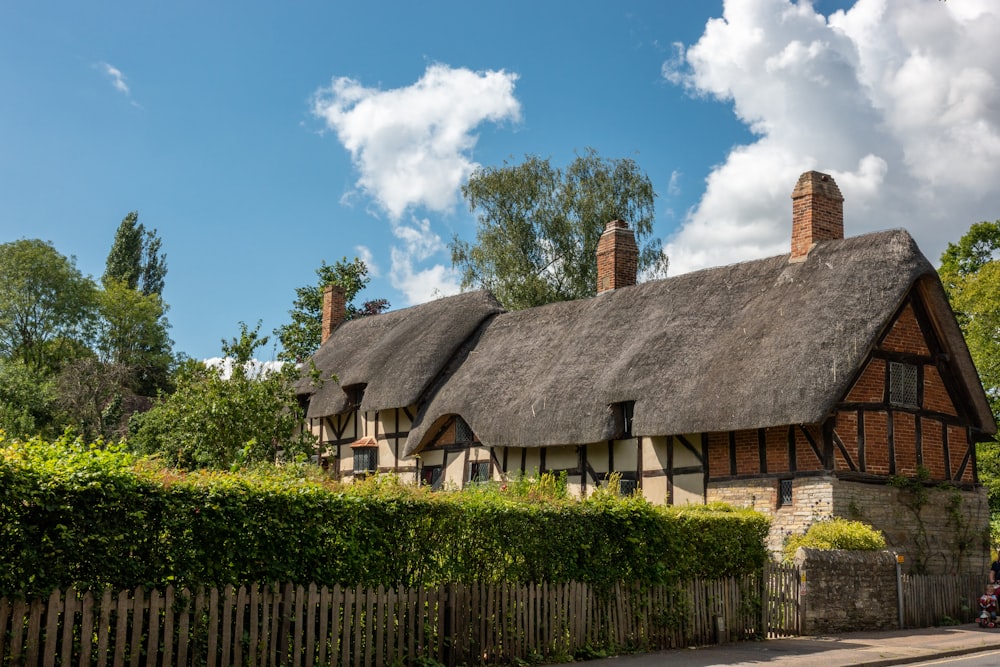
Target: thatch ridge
{"type": "Point", "coordinates": [755, 344]}
{"type": "Point", "coordinates": [395, 355]}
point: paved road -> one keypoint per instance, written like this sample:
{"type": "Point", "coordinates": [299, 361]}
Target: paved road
{"type": "Point", "coordinates": [872, 649]}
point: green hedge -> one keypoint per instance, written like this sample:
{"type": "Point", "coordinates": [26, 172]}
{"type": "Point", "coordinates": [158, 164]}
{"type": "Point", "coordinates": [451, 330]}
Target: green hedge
{"type": "Point", "coordinates": [89, 516]}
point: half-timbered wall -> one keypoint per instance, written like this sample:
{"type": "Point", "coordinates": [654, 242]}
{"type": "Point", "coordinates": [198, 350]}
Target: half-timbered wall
{"type": "Point", "coordinates": [877, 436]}
{"type": "Point", "coordinates": [389, 428]}
{"type": "Point", "coordinates": [664, 469]}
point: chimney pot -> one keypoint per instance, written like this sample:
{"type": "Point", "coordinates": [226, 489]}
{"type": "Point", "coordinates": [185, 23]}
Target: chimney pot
{"type": "Point", "coordinates": [617, 257]}
{"type": "Point", "coordinates": [334, 310]}
{"type": "Point", "coordinates": [817, 213]}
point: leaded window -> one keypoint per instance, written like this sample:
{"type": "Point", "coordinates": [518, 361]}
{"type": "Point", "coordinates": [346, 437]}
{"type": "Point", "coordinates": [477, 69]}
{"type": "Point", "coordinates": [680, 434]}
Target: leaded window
{"type": "Point", "coordinates": [903, 385]}
{"type": "Point", "coordinates": [463, 433]}
{"type": "Point", "coordinates": [784, 493]}
{"type": "Point", "coordinates": [365, 460]}
{"type": "Point", "coordinates": [479, 471]}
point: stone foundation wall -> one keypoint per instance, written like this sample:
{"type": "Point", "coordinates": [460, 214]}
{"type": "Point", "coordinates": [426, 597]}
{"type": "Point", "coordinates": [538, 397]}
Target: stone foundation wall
{"type": "Point", "coordinates": [846, 591]}
{"type": "Point", "coordinates": [945, 533]}
{"type": "Point", "coordinates": [938, 530]}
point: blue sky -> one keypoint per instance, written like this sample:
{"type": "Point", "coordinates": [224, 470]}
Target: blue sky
{"type": "Point", "coordinates": [261, 139]}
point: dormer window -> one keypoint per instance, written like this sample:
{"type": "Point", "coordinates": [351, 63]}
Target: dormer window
{"type": "Point", "coordinates": [903, 385]}
{"type": "Point", "coordinates": [463, 432]}
{"type": "Point", "coordinates": [624, 413]}
{"type": "Point", "coordinates": [355, 393]}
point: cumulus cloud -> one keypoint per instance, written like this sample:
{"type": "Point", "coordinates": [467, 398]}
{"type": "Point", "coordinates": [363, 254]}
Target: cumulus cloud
{"type": "Point", "coordinates": [412, 148]}
{"type": "Point", "coordinates": [420, 243]}
{"type": "Point", "coordinates": [897, 99]}
{"type": "Point", "coordinates": [412, 145]}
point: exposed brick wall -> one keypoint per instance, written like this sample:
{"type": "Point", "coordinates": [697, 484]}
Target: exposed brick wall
{"type": "Point", "coordinates": [936, 397]}
{"type": "Point", "coordinates": [958, 444]}
{"type": "Point", "coordinates": [846, 428]}
{"type": "Point", "coordinates": [805, 456]}
{"type": "Point", "coordinates": [876, 443]}
{"type": "Point", "coordinates": [905, 443]}
{"type": "Point", "coordinates": [932, 447]}
{"type": "Point", "coordinates": [777, 449]}
{"type": "Point", "coordinates": [870, 386]}
{"type": "Point", "coordinates": [718, 454]}
{"type": "Point", "coordinates": [747, 453]}
{"type": "Point", "coordinates": [906, 335]}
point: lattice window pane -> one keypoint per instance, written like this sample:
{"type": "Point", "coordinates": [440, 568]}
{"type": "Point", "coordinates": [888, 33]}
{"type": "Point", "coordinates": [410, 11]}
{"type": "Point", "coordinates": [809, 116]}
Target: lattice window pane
{"type": "Point", "coordinates": [431, 476]}
{"type": "Point", "coordinates": [462, 431]}
{"type": "Point", "coordinates": [627, 487]}
{"type": "Point", "coordinates": [785, 493]}
{"type": "Point", "coordinates": [365, 460]}
{"type": "Point", "coordinates": [903, 384]}
{"type": "Point", "coordinates": [479, 471]}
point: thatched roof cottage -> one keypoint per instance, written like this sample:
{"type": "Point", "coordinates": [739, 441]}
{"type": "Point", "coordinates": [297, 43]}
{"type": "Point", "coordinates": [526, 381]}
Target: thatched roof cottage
{"type": "Point", "coordinates": [801, 384]}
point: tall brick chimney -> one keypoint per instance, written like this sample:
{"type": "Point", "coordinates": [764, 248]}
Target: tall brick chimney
{"type": "Point", "coordinates": [817, 213]}
{"type": "Point", "coordinates": [617, 257]}
{"type": "Point", "coordinates": [334, 310]}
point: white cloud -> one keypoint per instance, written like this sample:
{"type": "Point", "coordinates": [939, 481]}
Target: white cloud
{"type": "Point", "coordinates": [420, 243]}
{"type": "Point", "coordinates": [366, 256]}
{"type": "Point", "coordinates": [255, 368]}
{"type": "Point", "coordinates": [897, 99]}
{"type": "Point", "coordinates": [117, 80]}
{"type": "Point", "coordinates": [412, 145]}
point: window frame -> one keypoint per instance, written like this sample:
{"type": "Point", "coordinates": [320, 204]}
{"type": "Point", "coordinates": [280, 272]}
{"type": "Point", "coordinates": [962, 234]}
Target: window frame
{"type": "Point", "coordinates": [371, 454]}
{"type": "Point", "coordinates": [435, 474]}
{"type": "Point", "coordinates": [474, 468]}
{"type": "Point", "coordinates": [783, 484]}
{"type": "Point", "coordinates": [901, 376]}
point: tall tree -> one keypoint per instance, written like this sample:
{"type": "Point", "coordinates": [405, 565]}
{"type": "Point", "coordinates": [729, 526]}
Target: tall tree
{"type": "Point", "coordinates": [131, 334]}
{"type": "Point", "coordinates": [970, 272]}
{"type": "Point", "coordinates": [301, 337]}
{"type": "Point", "coordinates": [135, 258]}
{"type": "Point", "coordinates": [46, 304]}
{"type": "Point", "coordinates": [538, 227]}
{"type": "Point", "coordinates": [219, 422]}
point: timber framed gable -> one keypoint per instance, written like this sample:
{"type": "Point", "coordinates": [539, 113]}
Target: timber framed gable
{"type": "Point", "coordinates": [882, 431]}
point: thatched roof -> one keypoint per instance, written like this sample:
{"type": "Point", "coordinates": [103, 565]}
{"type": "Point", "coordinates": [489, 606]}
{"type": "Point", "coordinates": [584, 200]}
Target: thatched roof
{"type": "Point", "coordinates": [756, 344]}
{"type": "Point", "coordinates": [396, 355]}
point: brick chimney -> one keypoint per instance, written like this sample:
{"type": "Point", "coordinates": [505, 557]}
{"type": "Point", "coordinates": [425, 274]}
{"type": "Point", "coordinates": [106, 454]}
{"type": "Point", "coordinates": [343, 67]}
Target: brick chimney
{"type": "Point", "coordinates": [817, 213]}
{"type": "Point", "coordinates": [334, 310]}
{"type": "Point", "coordinates": [617, 257]}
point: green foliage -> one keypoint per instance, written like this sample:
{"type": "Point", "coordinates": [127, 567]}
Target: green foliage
{"type": "Point", "coordinates": [135, 258]}
{"type": "Point", "coordinates": [27, 399]}
{"type": "Point", "coordinates": [301, 337]}
{"type": "Point", "coordinates": [45, 303]}
{"type": "Point", "coordinates": [219, 422]}
{"type": "Point", "coordinates": [836, 534]}
{"type": "Point", "coordinates": [539, 226]}
{"type": "Point", "coordinates": [132, 335]}
{"type": "Point", "coordinates": [91, 516]}
{"type": "Point", "coordinates": [970, 273]}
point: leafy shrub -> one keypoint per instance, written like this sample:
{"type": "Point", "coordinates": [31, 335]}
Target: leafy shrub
{"type": "Point", "coordinates": [836, 534]}
{"type": "Point", "coordinates": [96, 516]}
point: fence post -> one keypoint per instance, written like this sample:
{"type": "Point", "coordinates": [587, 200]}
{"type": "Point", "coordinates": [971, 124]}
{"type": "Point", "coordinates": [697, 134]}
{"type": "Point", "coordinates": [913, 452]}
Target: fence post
{"type": "Point", "coordinates": [899, 587]}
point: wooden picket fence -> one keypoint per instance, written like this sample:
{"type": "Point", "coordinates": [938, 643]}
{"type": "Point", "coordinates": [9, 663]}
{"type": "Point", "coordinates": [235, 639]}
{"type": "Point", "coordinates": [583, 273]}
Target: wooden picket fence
{"type": "Point", "coordinates": [264, 625]}
{"type": "Point", "coordinates": [936, 599]}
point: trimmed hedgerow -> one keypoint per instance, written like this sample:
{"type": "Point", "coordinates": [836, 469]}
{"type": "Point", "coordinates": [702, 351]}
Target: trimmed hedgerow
{"type": "Point", "coordinates": [96, 516]}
